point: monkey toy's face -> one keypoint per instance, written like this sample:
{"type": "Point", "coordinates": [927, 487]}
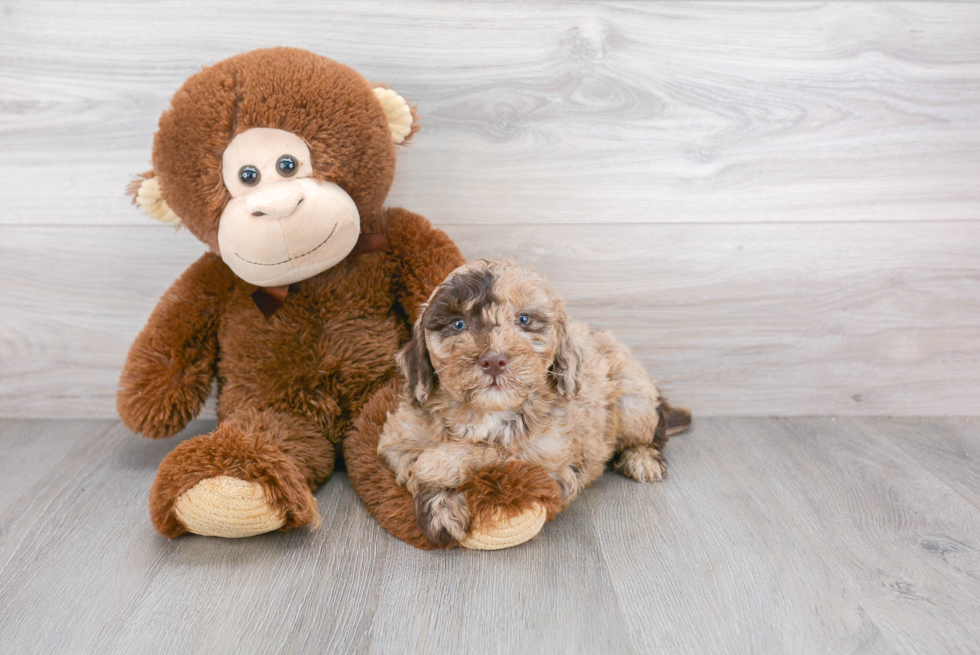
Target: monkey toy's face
{"type": "Point", "coordinates": [276, 159]}
{"type": "Point", "coordinates": [281, 225]}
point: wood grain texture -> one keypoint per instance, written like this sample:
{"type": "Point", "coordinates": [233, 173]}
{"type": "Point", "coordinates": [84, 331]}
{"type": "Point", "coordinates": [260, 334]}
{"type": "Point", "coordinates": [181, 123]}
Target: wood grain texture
{"type": "Point", "coordinates": [768, 536]}
{"type": "Point", "coordinates": [538, 112]}
{"type": "Point", "coordinates": [773, 203]}
{"type": "Point", "coordinates": [28, 456]}
{"type": "Point", "coordinates": [555, 595]}
{"type": "Point", "coordinates": [757, 319]}
{"type": "Point", "coordinates": [854, 545]}
{"type": "Point", "coordinates": [81, 569]}
{"type": "Point", "coordinates": [953, 457]}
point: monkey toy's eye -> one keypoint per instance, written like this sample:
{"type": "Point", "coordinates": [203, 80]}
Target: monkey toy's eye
{"type": "Point", "coordinates": [523, 319]}
{"type": "Point", "coordinates": [287, 166]}
{"type": "Point", "coordinates": [459, 325]}
{"type": "Point", "coordinates": [249, 175]}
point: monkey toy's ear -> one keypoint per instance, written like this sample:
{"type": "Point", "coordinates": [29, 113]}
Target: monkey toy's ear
{"type": "Point", "coordinates": [145, 190]}
{"type": "Point", "coordinates": [401, 115]}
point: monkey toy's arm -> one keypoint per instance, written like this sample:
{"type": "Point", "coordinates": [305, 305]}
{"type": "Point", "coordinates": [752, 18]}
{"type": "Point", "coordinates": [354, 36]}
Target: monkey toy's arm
{"type": "Point", "coordinates": [424, 257]}
{"type": "Point", "coordinates": [167, 375]}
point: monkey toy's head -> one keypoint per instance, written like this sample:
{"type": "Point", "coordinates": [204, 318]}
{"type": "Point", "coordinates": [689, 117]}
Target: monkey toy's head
{"type": "Point", "coordinates": [274, 159]}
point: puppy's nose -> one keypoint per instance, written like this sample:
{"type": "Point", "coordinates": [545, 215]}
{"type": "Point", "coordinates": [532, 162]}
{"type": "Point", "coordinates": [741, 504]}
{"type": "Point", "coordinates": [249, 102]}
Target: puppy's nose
{"type": "Point", "coordinates": [277, 200]}
{"type": "Point", "coordinates": [493, 363]}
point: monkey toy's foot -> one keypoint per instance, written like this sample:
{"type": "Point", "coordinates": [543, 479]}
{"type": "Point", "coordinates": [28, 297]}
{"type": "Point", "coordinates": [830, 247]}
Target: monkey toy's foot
{"type": "Point", "coordinates": [509, 505]}
{"type": "Point", "coordinates": [502, 531]}
{"type": "Point", "coordinates": [227, 507]}
{"type": "Point", "coordinates": [241, 480]}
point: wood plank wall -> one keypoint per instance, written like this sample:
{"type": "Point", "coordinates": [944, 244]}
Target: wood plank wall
{"type": "Point", "coordinates": [775, 204]}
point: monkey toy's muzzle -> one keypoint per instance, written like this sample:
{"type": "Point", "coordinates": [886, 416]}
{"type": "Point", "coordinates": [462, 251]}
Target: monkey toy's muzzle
{"type": "Point", "coordinates": [288, 231]}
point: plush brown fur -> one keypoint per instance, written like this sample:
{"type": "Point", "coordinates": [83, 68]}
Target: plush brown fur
{"type": "Point", "coordinates": [312, 365]}
{"type": "Point", "coordinates": [285, 454]}
{"type": "Point", "coordinates": [292, 386]}
{"type": "Point", "coordinates": [509, 490]}
{"type": "Point", "coordinates": [289, 387]}
{"type": "Point", "coordinates": [329, 105]}
{"type": "Point", "coordinates": [389, 503]}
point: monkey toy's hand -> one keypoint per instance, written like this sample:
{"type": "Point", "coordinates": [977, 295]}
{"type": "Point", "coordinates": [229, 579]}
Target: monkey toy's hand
{"type": "Point", "coordinates": [168, 373]}
{"type": "Point", "coordinates": [424, 257]}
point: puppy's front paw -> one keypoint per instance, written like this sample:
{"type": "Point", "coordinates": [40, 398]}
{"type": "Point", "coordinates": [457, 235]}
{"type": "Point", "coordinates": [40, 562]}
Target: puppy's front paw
{"type": "Point", "coordinates": [642, 463]}
{"type": "Point", "coordinates": [442, 515]}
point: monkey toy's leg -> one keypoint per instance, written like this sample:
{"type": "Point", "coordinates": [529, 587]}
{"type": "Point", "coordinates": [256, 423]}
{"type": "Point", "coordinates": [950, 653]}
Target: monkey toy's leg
{"type": "Point", "coordinates": [256, 472]}
{"type": "Point", "coordinates": [508, 504]}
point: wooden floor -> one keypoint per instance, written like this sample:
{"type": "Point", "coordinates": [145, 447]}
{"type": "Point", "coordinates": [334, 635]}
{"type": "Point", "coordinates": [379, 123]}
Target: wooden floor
{"type": "Point", "coordinates": [769, 536]}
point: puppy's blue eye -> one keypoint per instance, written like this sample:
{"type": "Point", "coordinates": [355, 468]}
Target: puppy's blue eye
{"type": "Point", "coordinates": [458, 324]}
{"type": "Point", "coordinates": [523, 319]}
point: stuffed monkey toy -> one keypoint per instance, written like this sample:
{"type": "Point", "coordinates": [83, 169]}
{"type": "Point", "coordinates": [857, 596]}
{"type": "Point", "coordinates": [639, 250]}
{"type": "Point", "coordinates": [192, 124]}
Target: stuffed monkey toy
{"type": "Point", "coordinates": [279, 161]}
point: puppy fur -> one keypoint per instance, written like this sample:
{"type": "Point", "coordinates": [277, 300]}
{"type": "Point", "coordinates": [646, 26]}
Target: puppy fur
{"type": "Point", "coordinates": [567, 398]}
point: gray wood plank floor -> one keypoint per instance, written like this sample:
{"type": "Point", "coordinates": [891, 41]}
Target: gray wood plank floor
{"type": "Point", "coordinates": [770, 536]}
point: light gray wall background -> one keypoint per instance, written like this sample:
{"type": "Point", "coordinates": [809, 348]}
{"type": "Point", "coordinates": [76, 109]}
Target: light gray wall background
{"type": "Point", "coordinates": [775, 204]}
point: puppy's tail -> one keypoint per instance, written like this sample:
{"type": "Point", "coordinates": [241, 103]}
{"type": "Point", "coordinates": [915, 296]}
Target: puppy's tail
{"type": "Point", "coordinates": [678, 419]}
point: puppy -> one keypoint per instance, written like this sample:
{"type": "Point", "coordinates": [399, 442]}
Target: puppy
{"type": "Point", "coordinates": [496, 373]}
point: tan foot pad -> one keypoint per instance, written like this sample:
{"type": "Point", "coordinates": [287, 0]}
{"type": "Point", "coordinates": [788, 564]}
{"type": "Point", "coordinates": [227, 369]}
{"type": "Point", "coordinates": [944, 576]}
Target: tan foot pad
{"type": "Point", "coordinates": [227, 507]}
{"type": "Point", "coordinates": [507, 532]}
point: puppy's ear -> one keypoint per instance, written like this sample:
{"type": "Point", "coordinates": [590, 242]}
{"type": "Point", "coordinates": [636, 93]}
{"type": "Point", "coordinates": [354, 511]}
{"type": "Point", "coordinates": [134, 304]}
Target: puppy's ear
{"type": "Point", "coordinates": [567, 367]}
{"type": "Point", "coordinates": [413, 360]}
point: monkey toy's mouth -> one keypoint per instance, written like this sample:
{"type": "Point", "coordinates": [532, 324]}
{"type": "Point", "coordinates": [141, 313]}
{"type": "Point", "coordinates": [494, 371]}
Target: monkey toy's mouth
{"type": "Point", "coordinates": [286, 261]}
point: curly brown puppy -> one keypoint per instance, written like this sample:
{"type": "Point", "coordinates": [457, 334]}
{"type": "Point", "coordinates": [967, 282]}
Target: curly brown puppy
{"type": "Point", "coordinates": [495, 373]}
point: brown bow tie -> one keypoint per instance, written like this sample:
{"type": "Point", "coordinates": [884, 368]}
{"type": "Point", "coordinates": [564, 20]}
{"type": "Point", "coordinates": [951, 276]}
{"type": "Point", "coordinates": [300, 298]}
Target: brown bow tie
{"type": "Point", "coordinates": [270, 299]}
